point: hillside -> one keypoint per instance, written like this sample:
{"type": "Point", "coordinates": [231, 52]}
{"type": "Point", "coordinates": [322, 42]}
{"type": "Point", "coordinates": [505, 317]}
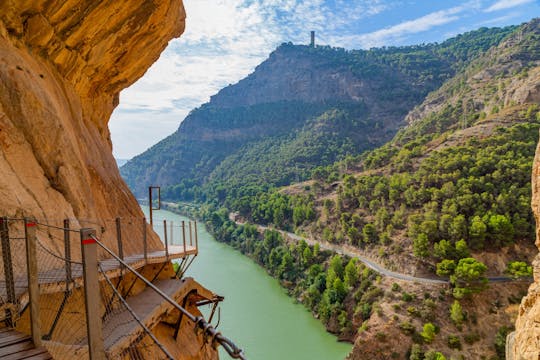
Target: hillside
{"type": "Point", "coordinates": [303, 107]}
{"type": "Point", "coordinates": [449, 195]}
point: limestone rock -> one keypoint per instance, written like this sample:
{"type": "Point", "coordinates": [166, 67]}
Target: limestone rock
{"type": "Point", "coordinates": [62, 66]}
{"type": "Point", "coordinates": [525, 340]}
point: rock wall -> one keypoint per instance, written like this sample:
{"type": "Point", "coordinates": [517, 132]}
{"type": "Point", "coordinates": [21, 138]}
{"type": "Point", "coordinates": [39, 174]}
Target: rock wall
{"type": "Point", "coordinates": [524, 343]}
{"type": "Point", "coordinates": [62, 66]}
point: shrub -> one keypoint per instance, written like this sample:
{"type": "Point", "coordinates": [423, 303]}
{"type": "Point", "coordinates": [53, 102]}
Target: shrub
{"type": "Point", "coordinates": [517, 269]}
{"type": "Point", "coordinates": [453, 342]}
{"type": "Point", "coordinates": [428, 332]}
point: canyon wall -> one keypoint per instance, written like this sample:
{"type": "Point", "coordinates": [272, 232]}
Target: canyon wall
{"type": "Point", "coordinates": [525, 343]}
{"type": "Point", "coordinates": [62, 66]}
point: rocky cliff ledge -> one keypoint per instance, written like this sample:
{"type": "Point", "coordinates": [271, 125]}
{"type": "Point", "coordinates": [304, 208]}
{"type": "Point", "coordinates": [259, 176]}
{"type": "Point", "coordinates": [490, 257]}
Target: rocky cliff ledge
{"type": "Point", "coordinates": [62, 66]}
{"type": "Point", "coordinates": [524, 343]}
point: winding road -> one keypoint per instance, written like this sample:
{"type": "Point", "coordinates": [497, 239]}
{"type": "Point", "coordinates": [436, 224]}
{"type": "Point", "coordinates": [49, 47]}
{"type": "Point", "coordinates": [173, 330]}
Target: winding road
{"type": "Point", "coordinates": [353, 252]}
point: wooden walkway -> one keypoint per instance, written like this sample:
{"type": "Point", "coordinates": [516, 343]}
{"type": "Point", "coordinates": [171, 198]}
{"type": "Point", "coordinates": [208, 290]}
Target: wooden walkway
{"type": "Point", "coordinates": [53, 281]}
{"type": "Point", "coordinates": [16, 346]}
{"type": "Point", "coordinates": [121, 329]}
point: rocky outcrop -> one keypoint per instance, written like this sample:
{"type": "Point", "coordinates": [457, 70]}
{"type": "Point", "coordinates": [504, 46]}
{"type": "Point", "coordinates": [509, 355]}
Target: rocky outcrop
{"type": "Point", "coordinates": [507, 75]}
{"type": "Point", "coordinates": [524, 342]}
{"type": "Point", "coordinates": [62, 66]}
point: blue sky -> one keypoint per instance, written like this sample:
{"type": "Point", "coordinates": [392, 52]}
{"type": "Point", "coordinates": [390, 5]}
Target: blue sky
{"type": "Point", "coordinates": [225, 39]}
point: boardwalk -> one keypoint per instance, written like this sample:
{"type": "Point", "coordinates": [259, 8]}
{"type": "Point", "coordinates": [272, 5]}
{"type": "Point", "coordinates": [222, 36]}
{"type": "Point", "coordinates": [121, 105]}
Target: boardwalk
{"type": "Point", "coordinates": [54, 280]}
{"type": "Point", "coordinates": [121, 329]}
{"type": "Point", "coordinates": [15, 346]}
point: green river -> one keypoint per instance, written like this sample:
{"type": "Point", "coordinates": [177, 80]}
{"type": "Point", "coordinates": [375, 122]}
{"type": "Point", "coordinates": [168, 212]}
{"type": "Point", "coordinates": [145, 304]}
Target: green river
{"type": "Point", "coordinates": [257, 314]}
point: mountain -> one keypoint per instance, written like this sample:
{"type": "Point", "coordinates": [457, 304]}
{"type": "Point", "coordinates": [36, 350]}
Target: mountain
{"type": "Point", "coordinates": [120, 162]}
{"type": "Point", "coordinates": [449, 195]}
{"type": "Point", "coordinates": [303, 107]}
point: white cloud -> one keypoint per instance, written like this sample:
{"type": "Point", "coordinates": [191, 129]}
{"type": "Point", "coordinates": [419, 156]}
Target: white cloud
{"type": "Point", "coordinates": [225, 39]}
{"type": "Point", "coordinates": [223, 42]}
{"type": "Point", "coordinates": [506, 4]}
{"type": "Point", "coordinates": [399, 31]}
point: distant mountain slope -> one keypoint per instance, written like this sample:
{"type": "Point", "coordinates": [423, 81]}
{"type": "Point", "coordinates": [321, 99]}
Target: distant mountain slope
{"type": "Point", "coordinates": [301, 108]}
{"type": "Point", "coordinates": [452, 185]}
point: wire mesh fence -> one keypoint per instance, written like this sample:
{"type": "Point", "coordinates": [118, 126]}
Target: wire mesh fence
{"type": "Point", "coordinates": [49, 259]}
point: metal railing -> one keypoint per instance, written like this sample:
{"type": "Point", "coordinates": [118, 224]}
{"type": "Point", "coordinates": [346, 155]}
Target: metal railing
{"type": "Point", "coordinates": [62, 281]}
{"type": "Point", "coordinates": [200, 322]}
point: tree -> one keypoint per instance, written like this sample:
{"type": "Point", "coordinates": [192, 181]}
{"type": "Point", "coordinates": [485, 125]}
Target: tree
{"type": "Point", "coordinates": [336, 264]}
{"type": "Point", "coordinates": [518, 269]}
{"type": "Point", "coordinates": [421, 246]}
{"type": "Point", "coordinates": [446, 267]}
{"type": "Point", "coordinates": [369, 234]}
{"type": "Point", "coordinates": [286, 269]}
{"type": "Point", "coordinates": [307, 257]}
{"type": "Point", "coordinates": [351, 274]}
{"type": "Point", "coordinates": [340, 290]}
{"type": "Point", "coordinates": [477, 233]}
{"type": "Point", "coordinates": [469, 277]}
{"type": "Point", "coordinates": [500, 229]}
{"type": "Point", "coordinates": [462, 250]}
{"type": "Point", "coordinates": [444, 250]}
{"type": "Point", "coordinates": [428, 332]}
{"type": "Point", "coordinates": [456, 313]}
{"type": "Point", "coordinates": [458, 228]}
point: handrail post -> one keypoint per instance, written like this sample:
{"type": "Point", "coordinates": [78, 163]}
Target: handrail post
{"type": "Point", "coordinates": [165, 238]}
{"type": "Point", "coordinates": [190, 235]}
{"type": "Point", "coordinates": [32, 273]}
{"type": "Point", "coordinates": [8, 265]}
{"type": "Point", "coordinates": [119, 238]}
{"type": "Point", "coordinates": [92, 294]}
{"type": "Point", "coordinates": [145, 241]}
{"type": "Point", "coordinates": [67, 252]}
{"type": "Point", "coordinates": [150, 206]}
{"type": "Point", "coordinates": [171, 237]}
{"type": "Point", "coordinates": [196, 238]}
{"type": "Point", "coordinates": [184, 235]}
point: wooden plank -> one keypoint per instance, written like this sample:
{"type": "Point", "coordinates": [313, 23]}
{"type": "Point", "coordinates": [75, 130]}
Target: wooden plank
{"type": "Point", "coordinates": [15, 348]}
{"type": "Point", "coordinates": [13, 338]}
{"type": "Point", "coordinates": [149, 306]}
{"type": "Point", "coordinates": [36, 353]}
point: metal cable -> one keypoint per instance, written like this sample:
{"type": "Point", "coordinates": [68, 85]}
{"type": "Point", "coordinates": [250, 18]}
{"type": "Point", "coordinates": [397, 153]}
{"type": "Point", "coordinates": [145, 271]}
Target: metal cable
{"type": "Point", "coordinates": [234, 351]}
{"type": "Point", "coordinates": [135, 316]}
{"type": "Point", "coordinates": [57, 227]}
{"type": "Point", "coordinates": [57, 256]}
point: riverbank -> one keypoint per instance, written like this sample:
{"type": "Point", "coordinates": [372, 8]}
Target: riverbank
{"type": "Point", "coordinates": [385, 315]}
{"type": "Point", "coordinates": [257, 312]}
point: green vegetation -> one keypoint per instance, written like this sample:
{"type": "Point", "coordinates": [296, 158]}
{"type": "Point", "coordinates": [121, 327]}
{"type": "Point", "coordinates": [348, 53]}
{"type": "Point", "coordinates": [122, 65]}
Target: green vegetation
{"type": "Point", "coordinates": [428, 333]}
{"type": "Point", "coordinates": [336, 289]}
{"type": "Point", "coordinates": [456, 313]}
{"type": "Point", "coordinates": [236, 146]}
{"type": "Point", "coordinates": [518, 269]}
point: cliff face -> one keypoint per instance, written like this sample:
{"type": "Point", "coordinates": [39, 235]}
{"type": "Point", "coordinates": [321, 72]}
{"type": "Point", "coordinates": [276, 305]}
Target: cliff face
{"type": "Point", "coordinates": [524, 342]}
{"type": "Point", "coordinates": [62, 66]}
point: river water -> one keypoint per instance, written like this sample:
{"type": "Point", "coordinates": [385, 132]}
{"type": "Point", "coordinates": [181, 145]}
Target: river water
{"type": "Point", "coordinates": [257, 314]}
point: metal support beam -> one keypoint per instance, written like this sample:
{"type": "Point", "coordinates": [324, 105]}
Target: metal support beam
{"type": "Point", "coordinates": [33, 286]}
{"type": "Point", "coordinates": [196, 238]}
{"type": "Point", "coordinates": [190, 235]}
{"type": "Point", "coordinates": [166, 240]}
{"type": "Point", "coordinates": [67, 252]}
{"type": "Point", "coordinates": [92, 294]}
{"type": "Point", "coordinates": [145, 241]}
{"type": "Point", "coordinates": [184, 234]}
